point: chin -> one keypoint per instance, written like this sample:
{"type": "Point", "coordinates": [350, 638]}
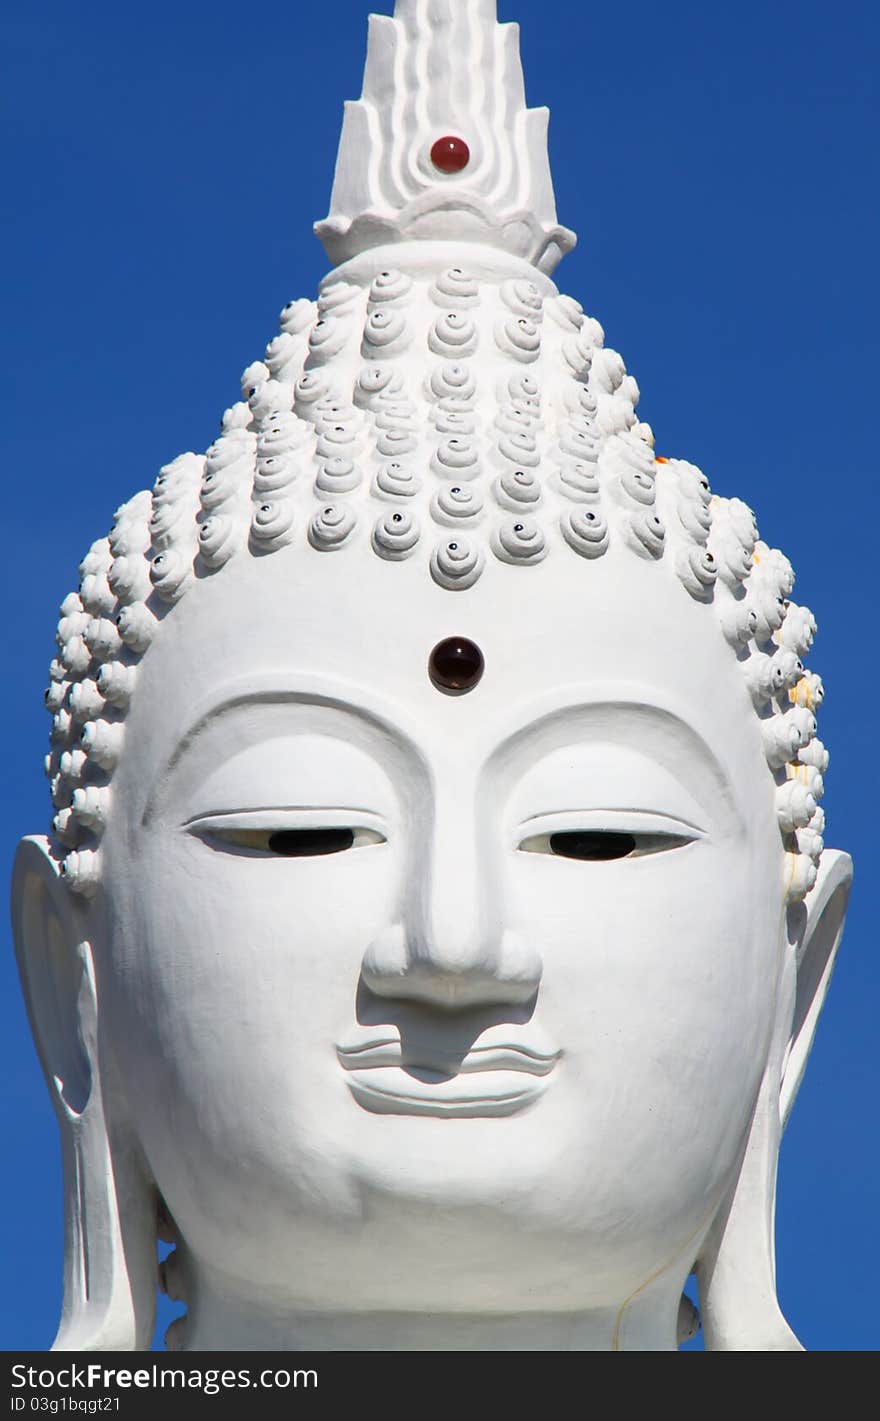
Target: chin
{"type": "Point", "coordinates": [454, 1251]}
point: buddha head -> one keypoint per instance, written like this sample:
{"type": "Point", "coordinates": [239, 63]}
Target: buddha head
{"type": "Point", "coordinates": [435, 916]}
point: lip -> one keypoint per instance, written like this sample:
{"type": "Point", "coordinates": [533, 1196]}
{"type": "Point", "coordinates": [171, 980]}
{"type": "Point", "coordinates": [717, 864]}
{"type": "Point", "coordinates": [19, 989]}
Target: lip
{"type": "Point", "coordinates": [498, 1076]}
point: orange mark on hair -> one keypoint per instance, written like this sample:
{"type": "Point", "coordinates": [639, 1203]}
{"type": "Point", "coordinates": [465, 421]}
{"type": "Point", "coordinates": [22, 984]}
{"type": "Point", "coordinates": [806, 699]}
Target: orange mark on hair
{"type": "Point", "coordinates": [802, 695]}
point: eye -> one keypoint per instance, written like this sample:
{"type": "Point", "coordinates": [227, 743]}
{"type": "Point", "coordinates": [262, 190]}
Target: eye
{"type": "Point", "coordinates": [302, 843]}
{"type": "Point", "coordinates": [602, 845]}
{"type": "Point", "coordinates": [591, 844]}
{"type": "Point", "coordinates": [308, 842]}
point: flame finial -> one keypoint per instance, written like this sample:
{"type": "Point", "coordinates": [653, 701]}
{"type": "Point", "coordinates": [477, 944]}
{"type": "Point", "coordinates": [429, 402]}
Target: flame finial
{"type": "Point", "coordinates": [444, 69]}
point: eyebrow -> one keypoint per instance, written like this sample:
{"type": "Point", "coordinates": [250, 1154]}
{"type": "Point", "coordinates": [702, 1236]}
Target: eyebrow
{"type": "Point", "coordinates": [232, 700]}
{"type": "Point", "coordinates": [622, 713]}
{"type": "Point", "coordinates": [676, 744]}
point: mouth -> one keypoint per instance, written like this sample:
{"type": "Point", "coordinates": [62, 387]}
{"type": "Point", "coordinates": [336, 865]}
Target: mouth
{"type": "Point", "coordinates": [496, 1077]}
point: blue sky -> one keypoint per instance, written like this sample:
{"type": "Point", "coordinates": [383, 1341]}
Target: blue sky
{"type": "Point", "coordinates": [163, 166]}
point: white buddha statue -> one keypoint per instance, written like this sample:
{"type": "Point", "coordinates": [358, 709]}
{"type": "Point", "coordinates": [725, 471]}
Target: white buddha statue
{"type": "Point", "coordinates": [435, 918]}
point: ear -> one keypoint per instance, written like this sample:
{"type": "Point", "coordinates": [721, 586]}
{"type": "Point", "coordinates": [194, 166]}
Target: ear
{"type": "Point", "coordinates": [822, 915]}
{"type": "Point", "coordinates": [737, 1266]}
{"type": "Point", "coordinates": [109, 1207]}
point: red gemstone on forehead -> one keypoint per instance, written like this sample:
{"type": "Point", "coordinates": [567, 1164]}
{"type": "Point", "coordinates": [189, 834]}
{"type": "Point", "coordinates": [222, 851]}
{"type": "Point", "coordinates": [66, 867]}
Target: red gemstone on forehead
{"type": "Point", "coordinates": [450, 154]}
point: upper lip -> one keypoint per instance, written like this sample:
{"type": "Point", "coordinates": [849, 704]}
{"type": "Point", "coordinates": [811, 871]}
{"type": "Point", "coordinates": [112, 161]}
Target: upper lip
{"type": "Point", "coordinates": [494, 1051]}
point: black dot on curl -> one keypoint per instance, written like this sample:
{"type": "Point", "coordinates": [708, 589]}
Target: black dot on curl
{"type": "Point", "coordinates": [456, 665]}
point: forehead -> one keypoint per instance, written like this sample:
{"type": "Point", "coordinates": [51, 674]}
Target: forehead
{"type": "Point", "coordinates": [556, 636]}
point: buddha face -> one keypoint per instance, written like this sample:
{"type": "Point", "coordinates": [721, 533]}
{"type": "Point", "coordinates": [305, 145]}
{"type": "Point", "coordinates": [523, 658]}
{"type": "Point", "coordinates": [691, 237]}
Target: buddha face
{"type": "Point", "coordinates": [425, 1000]}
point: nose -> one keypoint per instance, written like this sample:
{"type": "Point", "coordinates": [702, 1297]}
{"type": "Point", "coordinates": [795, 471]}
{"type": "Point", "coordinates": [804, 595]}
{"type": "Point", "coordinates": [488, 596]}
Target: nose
{"type": "Point", "coordinates": [450, 947]}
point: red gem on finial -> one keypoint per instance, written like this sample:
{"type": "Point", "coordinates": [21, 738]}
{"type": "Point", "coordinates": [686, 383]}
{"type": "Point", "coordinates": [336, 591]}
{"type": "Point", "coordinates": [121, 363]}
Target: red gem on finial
{"type": "Point", "coordinates": [450, 154]}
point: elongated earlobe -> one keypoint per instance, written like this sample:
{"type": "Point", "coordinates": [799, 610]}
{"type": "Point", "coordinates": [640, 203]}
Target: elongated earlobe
{"type": "Point", "coordinates": [110, 1239]}
{"type": "Point", "coordinates": [737, 1267]}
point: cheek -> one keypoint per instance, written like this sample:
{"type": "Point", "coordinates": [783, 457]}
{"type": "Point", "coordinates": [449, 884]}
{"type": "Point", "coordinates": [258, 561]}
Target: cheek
{"type": "Point", "coordinates": [232, 977]}
{"type": "Point", "coordinates": [658, 981]}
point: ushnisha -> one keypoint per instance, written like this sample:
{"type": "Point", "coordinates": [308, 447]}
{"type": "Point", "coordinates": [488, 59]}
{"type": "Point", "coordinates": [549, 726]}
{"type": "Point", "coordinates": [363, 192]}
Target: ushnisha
{"type": "Point", "coordinates": [436, 916]}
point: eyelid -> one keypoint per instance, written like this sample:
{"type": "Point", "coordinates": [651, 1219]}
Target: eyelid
{"type": "Point", "coordinates": [621, 821]}
{"type": "Point", "coordinates": [301, 817]}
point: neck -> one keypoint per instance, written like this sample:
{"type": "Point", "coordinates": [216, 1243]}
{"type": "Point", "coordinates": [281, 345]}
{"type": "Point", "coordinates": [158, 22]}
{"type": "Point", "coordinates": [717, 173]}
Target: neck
{"type": "Point", "coordinates": [219, 1319]}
